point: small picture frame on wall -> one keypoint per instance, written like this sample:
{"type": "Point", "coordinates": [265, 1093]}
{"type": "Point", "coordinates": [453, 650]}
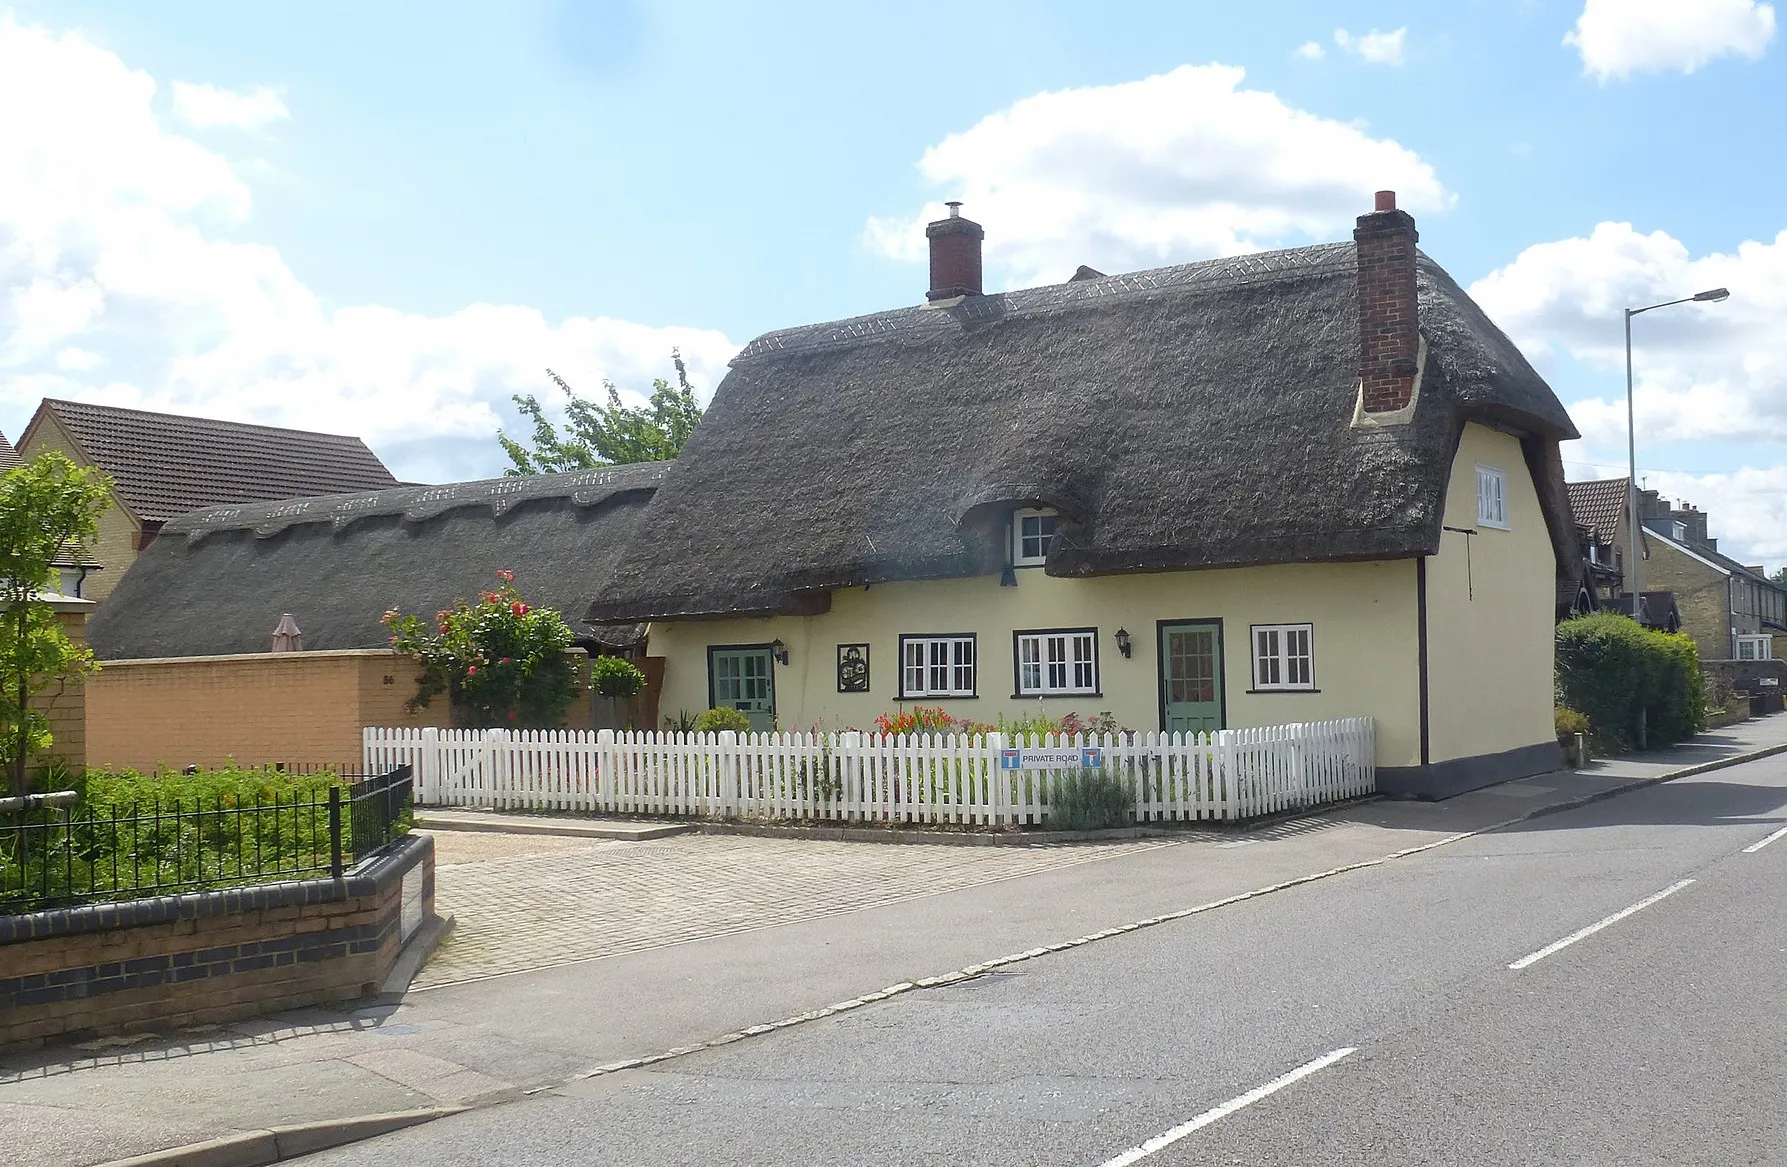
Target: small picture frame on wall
{"type": "Point", "coordinates": [853, 668]}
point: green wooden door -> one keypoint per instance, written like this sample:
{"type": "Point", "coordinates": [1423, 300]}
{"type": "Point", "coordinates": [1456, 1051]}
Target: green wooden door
{"type": "Point", "coordinates": [742, 678]}
{"type": "Point", "coordinates": [1191, 677]}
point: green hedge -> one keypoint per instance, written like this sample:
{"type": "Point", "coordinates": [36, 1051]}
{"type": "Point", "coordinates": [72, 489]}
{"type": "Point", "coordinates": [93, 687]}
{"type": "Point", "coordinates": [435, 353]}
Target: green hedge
{"type": "Point", "coordinates": [1616, 672]}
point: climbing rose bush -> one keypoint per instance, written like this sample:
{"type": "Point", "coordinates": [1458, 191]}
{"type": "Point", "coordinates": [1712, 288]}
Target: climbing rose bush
{"type": "Point", "coordinates": [500, 661]}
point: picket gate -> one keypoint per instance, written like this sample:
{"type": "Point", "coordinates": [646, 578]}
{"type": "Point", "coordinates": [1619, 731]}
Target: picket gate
{"type": "Point", "coordinates": [848, 776]}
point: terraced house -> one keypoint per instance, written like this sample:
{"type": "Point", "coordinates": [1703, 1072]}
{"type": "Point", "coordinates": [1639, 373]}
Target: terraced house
{"type": "Point", "coordinates": [1287, 486]}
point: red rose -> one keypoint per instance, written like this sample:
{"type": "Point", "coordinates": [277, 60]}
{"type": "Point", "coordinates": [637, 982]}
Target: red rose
{"type": "Point", "coordinates": [472, 671]}
{"type": "Point", "coordinates": [519, 608]}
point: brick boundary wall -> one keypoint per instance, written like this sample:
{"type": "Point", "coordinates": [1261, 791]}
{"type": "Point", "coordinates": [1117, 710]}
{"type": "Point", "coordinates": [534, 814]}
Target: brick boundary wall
{"type": "Point", "coordinates": [206, 957]}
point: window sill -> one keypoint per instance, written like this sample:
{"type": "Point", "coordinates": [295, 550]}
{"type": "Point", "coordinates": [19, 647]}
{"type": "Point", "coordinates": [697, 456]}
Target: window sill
{"type": "Point", "coordinates": [1053, 696]}
{"type": "Point", "coordinates": [938, 697]}
{"type": "Point", "coordinates": [1282, 690]}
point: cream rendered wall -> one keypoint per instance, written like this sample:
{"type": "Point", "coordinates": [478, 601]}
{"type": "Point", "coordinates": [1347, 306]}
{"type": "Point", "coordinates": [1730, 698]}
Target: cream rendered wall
{"type": "Point", "coordinates": [1490, 617]}
{"type": "Point", "coordinates": [1365, 645]}
{"type": "Point", "coordinates": [115, 548]}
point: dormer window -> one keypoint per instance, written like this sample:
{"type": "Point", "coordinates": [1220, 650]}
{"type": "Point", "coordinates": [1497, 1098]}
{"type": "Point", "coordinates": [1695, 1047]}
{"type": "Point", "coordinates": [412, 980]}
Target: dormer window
{"type": "Point", "coordinates": [1678, 532]}
{"type": "Point", "coordinates": [1031, 533]}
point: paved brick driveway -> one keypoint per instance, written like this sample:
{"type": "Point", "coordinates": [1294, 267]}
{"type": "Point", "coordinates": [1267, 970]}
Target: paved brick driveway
{"type": "Point", "coordinates": [524, 902]}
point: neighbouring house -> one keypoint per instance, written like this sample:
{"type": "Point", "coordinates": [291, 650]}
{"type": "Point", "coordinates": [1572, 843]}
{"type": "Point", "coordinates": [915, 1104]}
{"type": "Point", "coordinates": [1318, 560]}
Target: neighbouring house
{"type": "Point", "coordinates": [1278, 487]}
{"type": "Point", "coordinates": [1731, 610]}
{"type": "Point", "coordinates": [164, 464]}
{"type": "Point", "coordinates": [9, 457]}
{"type": "Point", "coordinates": [185, 638]}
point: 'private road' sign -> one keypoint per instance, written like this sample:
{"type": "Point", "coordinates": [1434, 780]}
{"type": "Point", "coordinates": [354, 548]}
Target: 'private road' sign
{"type": "Point", "coordinates": [1062, 758]}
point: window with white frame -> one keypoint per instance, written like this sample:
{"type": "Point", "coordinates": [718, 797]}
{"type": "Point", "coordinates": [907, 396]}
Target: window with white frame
{"type": "Point", "coordinates": [1284, 656]}
{"type": "Point", "coordinates": [1755, 647]}
{"type": "Point", "coordinates": [1057, 662]}
{"type": "Point", "coordinates": [936, 666]}
{"type": "Point", "coordinates": [1492, 498]}
{"type": "Point", "coordinates": [1031, 533]}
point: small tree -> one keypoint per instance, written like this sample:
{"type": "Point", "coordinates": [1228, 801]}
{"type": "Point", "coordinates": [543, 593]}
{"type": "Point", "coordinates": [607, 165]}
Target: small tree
{"type": "Point", "coordinates": [598, 434]}
{"type": "Point", "coordinates": [500, 662]}
{"type": "Point", "coordinates": [47, 506]}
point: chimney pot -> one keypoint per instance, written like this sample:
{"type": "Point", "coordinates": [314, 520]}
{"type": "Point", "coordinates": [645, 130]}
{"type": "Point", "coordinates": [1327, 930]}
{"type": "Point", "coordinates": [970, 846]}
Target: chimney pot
{"type": "Point", "coordinates": [955, 255]}
{"type": "Point", "coordinates": [1389, 329]}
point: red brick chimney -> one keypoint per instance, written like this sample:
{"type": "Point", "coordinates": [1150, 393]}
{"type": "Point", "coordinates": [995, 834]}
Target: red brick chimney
{"type": "Point", "coordinates": [1389, 334]}
{"type": "Point", "coordinates": [955, 255]}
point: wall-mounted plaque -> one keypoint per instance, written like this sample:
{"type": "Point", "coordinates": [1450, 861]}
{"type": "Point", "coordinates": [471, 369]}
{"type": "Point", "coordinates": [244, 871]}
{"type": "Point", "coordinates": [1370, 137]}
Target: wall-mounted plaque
{"type": "Point", "coordinates": [853, 668]}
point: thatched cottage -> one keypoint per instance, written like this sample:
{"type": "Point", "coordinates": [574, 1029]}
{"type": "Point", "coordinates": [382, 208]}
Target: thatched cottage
{"type": "Point", "coordinates": [1286, 486]}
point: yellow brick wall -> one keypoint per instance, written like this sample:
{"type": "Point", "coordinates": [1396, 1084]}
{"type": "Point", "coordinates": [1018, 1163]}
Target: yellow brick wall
{"type": "Point", "coordinates": [115, 548]}
{"type": "Point", "coordinates": [299, 708]}
{"type": "Point", "coordinates": [64, 703]}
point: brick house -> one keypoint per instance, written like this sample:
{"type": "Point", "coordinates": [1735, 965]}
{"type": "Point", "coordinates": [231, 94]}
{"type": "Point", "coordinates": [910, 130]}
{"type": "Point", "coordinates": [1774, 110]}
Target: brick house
{"type": "Point", "coordinates": [164, 464]}
{"type": "Point", "coordinates": [1732, 610]}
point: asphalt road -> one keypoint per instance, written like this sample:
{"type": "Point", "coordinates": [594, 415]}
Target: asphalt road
{"type": "Point", "coordinates": [1653, 1040]}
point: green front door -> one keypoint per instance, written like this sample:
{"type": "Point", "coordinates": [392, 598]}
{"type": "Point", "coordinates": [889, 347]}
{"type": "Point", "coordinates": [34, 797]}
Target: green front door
{"type": "Point", "coordinates": [1191, 677]}
{"type": "Point", "coordinates": [742, 679]}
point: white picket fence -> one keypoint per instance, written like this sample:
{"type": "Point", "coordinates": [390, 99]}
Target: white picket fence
{"type": "Point", "coordinates": [1229, 774]}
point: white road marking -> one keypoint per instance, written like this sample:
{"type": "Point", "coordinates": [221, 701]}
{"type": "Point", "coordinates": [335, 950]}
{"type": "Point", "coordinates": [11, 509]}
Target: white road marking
{"type": "Point", "coordinates": [1162, 1141]}
{"type": "Point", "coordinates": [1573, 937]}
{"type": "Point", "coordinates": [1755, 847]}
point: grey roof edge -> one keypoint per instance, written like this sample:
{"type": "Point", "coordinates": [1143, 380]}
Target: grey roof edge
{"type": "Point", "coordinates": [584, 488]}
{"type": "Point", "coordinates": [1399, 542]}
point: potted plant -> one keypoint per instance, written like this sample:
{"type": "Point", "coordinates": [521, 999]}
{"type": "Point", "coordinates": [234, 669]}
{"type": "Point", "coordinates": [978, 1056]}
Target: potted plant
{"type": "Point", "coordinates": [1572, 735]}
{"type": "Point", "coordinates": [615, 681]}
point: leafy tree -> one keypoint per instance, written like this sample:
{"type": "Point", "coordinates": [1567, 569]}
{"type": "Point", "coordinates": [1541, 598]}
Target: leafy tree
{"type": "Point", "coordinates": [1780, 576]}
{"type": "Point", "coordinates": [46, 505]}
{"type": "Point", "coordinates": [501, 663]}
{"type": "Point", "coordinates": [598, 435]}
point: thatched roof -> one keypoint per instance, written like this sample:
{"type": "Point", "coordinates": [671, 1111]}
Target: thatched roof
{"type": "Point", "coordinates": [217, 580]}
{"type": "Point", "coordinates": [1191, 416]}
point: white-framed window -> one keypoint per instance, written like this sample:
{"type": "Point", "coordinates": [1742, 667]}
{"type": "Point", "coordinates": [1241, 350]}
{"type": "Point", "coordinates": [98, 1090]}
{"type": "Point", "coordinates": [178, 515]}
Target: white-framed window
{"type": "Point", "coordinates": [1284, 656]}
{"type": "Point", "coordinates": [1064, 661]}
{"type": "Point", "coordinates": [1492, 498]}
{"type": "Point", "coordinates": [1755, 647]}
{"type": "Point", "coordinates": [1031, 533]}
{"type": "Point", "coordinates": [937, 666]}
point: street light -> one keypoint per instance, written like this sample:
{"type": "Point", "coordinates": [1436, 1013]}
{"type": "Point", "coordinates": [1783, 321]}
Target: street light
{"type": "Point", "coordinates": [1710, 296]}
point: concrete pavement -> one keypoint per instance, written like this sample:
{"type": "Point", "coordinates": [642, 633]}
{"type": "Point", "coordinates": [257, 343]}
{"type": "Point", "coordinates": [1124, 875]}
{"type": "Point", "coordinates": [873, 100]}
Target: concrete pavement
{"type": "Point", "coordinates": [492, 1038]}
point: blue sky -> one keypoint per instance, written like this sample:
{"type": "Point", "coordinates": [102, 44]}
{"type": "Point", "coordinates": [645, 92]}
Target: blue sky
{"type": "Point", "coordinates": [363, 218]}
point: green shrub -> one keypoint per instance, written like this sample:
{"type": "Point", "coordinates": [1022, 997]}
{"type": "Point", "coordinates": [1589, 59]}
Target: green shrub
{"type": "Point", "coordinates": [1621, 675]}
{"type": "Point", "coordinates": [610, 676]}
{"type": "Point", "coordinates": [723, 718]}
{"type": "Point", "coordinates": [1569, 721]}
{"type": "Point", "coordinates": [1090, 800]}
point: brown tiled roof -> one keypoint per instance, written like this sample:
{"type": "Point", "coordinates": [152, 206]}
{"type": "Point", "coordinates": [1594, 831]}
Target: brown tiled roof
{"type": "Point", "coordinates": [164, 464]}
{"type": "Point", "coordinates": [9, 457]}
{"type": "Point", "coordinates": [1599, 505]}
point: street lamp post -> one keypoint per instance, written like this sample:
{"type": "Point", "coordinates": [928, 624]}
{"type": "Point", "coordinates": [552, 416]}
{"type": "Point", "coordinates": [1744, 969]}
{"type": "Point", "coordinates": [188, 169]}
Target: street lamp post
{"type": "Point", "coordinates": [1713, 295]}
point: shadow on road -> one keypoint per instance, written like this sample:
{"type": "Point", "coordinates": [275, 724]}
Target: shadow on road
{"type": "Point", "coordinates": [1697, 802]}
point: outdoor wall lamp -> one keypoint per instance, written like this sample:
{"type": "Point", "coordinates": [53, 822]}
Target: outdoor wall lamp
{"type": "Point", "coordinates": [1123, 645]}
{"type": "Point", "coordinates": [779, 650]}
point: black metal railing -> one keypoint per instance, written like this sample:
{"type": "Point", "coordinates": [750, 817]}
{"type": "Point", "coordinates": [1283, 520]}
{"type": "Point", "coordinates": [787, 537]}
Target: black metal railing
{"type": "Point", "coordinates": [55, 852]}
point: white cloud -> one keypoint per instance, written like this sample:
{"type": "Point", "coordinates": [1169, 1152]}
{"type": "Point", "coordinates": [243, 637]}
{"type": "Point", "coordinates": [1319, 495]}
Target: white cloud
{"type": "Point", "coordinates": [1617, 38]}
{"type": "Point", "coordinates": [1181, 166]}
{"type": "Point", "coordinates": [1746, 509]}
{"type": "Point", "coordinates": [1380, 48]}
{"type": "Point", "coordinates": [1311, 51]}
{"type": "Point", "coordinates": [118, 237]}
{"type": "Point", "coordinates": [1705, 372]}
{"type": "Point", "coordinates": [208, 105]}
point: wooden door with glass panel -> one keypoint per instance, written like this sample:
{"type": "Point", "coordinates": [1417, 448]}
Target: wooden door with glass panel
{"type": "Point", "coordinates": [741, 679]}
{"type": "Point", "coordinates": [1191, 676]}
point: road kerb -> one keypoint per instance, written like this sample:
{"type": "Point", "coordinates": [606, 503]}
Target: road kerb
{"type": "Point", "coordinates": [274, 1144]}
{"type": "Point", "coordinates": [968, 972]}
